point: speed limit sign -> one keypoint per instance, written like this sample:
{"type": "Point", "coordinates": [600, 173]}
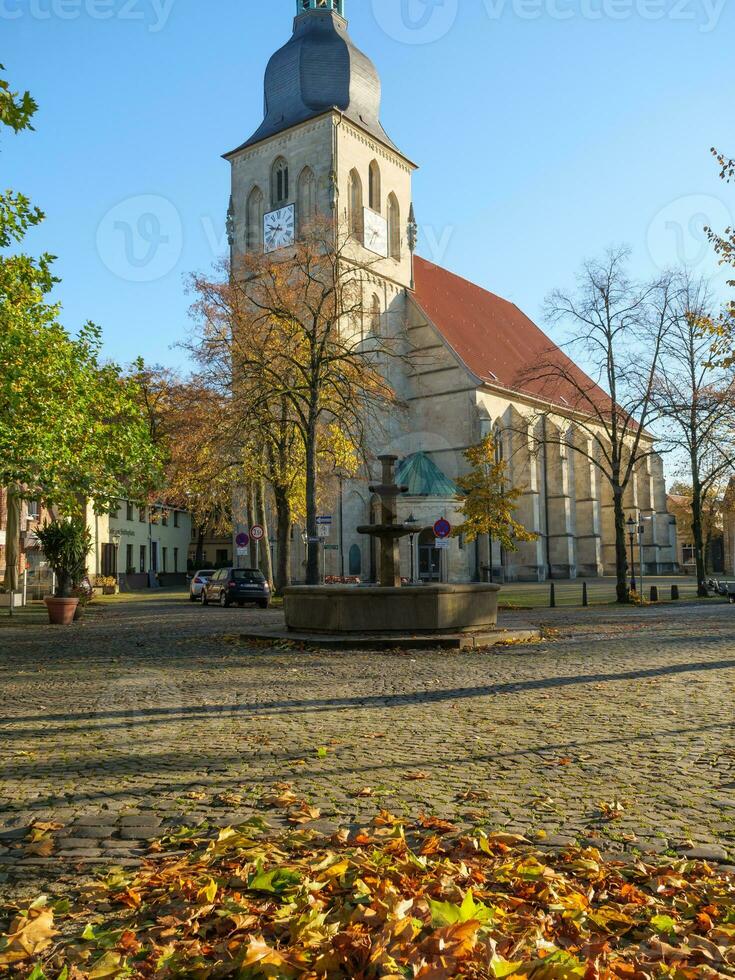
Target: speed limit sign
{"type": "Point", "coordinates": [257, 533]}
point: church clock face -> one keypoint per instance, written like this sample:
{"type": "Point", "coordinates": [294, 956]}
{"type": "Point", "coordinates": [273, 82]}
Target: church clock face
{"type": "Point", "coordinates": [279, 228]}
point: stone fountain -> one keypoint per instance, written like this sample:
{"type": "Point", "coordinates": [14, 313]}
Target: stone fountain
{"type": "Point", "coordinates": [390, 609]}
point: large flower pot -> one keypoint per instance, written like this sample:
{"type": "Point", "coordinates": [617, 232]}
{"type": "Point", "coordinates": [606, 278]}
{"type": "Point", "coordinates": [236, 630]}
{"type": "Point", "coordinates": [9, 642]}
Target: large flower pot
{"type": "Point", "coordinates": [61, 611]}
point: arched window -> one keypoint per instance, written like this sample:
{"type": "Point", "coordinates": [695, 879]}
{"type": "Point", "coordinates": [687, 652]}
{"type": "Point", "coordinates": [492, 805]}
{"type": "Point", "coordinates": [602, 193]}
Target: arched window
{"type": "Point", "coordinates": [254, 218]}
{"type": "Point", "coordinates": [279, 182]}
{"type": "Point", "coordinates": [306, 198]}
{"type": "Point", "coordinates": [374, 188]}
{"type": "Point", "coordinates": [355, 560]}
{"type": "Point", "coordinates": [355, 204]}
{"type": "Point", "coordinates": [394, 227]}
{"type": "Point", "coordinates": [375, 315]}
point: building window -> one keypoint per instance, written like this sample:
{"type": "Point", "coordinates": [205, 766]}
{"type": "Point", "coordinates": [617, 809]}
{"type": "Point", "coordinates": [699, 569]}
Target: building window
{"type": "Point", "coordinates": [355, 204]}
{"type": "Point", "coordinates": [375, 315]}
{"type": "Point", "coordinates": [176, 559]}
{"type": "Point", "coordinates": [222, 556]}
{"type": "Point", "coordinates": [129, 559]}
{"type": "Point", "coordinates": [355, 560]}
{"type": "Point", "coordinates": [128, 511]}
{"type": "Point", "coordinates": [254, 220]}
{"type": "Point", "coordinates": [142, 559]}
{"type": "Point", "coordinates": [164, 558]}
{"type": "Point", "coordinates": [176, 518]}
{"type": "Point", "coordinates": [374, 187]}
{"type": "Point", "coordinates": [33, 510]}
{"type": "Point", "coordinates": [306, 198]}
{"type": "Point", "coordinates": [141, 514]}
{"type": "Point", "coordinates": [109, 560]}
{"type": "Point", "coordinates": [279, 182]}
{"type": "Point", "coordinates": [164, 518]}
{"type": "Point", "coordinates": [688, 554]}
{"type": "Point", "coordinates": [394, 227]}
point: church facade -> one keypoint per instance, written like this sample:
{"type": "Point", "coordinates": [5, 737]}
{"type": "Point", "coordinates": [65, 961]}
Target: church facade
{"type": "Point", "coordinates": [321, 149]}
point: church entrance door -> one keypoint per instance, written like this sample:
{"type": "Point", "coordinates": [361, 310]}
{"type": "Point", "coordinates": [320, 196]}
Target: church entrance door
{"type": "Point", "coordinates": [430, 558]}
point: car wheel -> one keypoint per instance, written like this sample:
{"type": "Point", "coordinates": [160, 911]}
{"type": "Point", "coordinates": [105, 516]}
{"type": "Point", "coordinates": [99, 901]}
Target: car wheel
{"type": "Point", "coordinates": [223, 600]}
{"type": "Point", "coordinates": [205, 600]}
{"type": "Point", "coordinates": [192, 597]}
{"type": "Point", "coordinates": [263, 604]}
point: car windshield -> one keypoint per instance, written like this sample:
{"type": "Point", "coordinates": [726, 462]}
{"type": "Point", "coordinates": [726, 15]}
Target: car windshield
{"type": "Point", "coordinates": [249, 576]}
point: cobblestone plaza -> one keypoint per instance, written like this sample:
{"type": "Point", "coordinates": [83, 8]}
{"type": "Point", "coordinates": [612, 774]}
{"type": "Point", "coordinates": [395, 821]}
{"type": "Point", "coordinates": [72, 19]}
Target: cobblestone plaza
{"type": "Point", "coordinates": [154, 714]}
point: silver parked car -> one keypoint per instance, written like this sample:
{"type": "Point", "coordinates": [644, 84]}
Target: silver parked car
{"type": "Point", "coordinates": [198, 581]}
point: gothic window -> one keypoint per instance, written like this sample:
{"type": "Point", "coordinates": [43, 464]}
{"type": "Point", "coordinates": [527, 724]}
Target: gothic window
{"type": "Point", "coordinates": [279, 182]}
{"type": "Point", "coordinates": [375, 315]}
{"type": "Point", "coordinates": [374, 188]}
{"type": "Point", "coordinates": [255, 219]}
{"type": "Point", "coordinates": [355, 204]}
{"type": "Point", "coordinates": [355, 560]}
{"type": "Point", "coordinates": [306, 198]}
{"type": "Point", "coordinates": [394, 227]}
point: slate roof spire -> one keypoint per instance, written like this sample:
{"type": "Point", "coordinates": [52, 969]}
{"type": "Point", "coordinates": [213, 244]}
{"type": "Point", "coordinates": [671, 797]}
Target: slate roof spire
{"type": "Point", "coordinates": [320, 69]}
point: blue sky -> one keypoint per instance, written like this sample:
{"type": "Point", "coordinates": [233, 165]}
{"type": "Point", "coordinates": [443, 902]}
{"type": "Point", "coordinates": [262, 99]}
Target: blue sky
{"type": "Point", "coordinates": [545, 130]}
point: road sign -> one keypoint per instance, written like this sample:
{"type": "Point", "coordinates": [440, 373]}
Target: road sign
{"type": "Point", "coordinates": [257, 533]}
{"type": "Point", "coordinates": [324, 530]}
{"type": "Point", "coordinates": [442, 528]}
{"type": "Point", "coordinates": [242, 552]}
{"type": "Point", "coordinates": [331, 547]}
{"type": "Point", "coordinates": [442, 544]}
{"type": "Point", "coordinates": [325, 519]}
{"type": "Point", "coordinates": [242, 540]}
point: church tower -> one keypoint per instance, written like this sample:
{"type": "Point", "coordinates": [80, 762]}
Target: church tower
{"type": "Point", "coordinates": [321, 148]}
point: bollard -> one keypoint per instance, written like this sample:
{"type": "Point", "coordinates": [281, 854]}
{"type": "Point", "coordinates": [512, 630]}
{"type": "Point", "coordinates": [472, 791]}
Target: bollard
{"type": "Point", "coordinates": [585, 596]}
{"type": "Point", "coordinates": [674, 593]}
{"type": "Point", "coordinates": [552, 598]}
{"type": "Point", "coordinates": [654, 593]}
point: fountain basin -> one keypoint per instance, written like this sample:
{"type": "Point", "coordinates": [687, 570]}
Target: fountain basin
{"type": "Point", "coordinates": [340, 609]}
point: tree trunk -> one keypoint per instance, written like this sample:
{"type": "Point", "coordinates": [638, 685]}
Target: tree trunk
{"type": "Point", "coordinates": [698, 539]}
{"type": "Point", "coordinates": [199, 554]}
{"type": "Point", "coordinates": [312, 560]}
{"type": "Point", "coordinates": [621, 548]}
{"type": "Point", "coordinates": [12, 539]}
{"type": "Point", "coordinates": [283, 536]}
{"type": "Point", "coordinates": [264, 548]}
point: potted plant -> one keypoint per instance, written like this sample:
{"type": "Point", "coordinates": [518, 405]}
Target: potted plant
{"type": "Point", "coordinates": [66, 544]}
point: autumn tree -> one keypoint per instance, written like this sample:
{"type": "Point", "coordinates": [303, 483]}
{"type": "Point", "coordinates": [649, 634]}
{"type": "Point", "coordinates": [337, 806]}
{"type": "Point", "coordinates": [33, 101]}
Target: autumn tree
{"type": "Point", "coordinates": [616, 327]}
{"type": "Point", "coordinates": [71, 426]}
{"type": "Point", "coordinates": [696, 402]}
{"type": "Point", "coordinates": [722, 327]}
{"type": "Point", "coordinates": [488, 503]}
{"type": "Point", "coordinates": [680, 506]}
{"type": "Point", "coordinates": [290, 339]}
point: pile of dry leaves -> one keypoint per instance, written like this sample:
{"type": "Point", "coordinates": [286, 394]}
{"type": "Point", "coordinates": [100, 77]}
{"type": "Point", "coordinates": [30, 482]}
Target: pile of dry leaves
{"type": "Point", "coordinates": [399, 900]}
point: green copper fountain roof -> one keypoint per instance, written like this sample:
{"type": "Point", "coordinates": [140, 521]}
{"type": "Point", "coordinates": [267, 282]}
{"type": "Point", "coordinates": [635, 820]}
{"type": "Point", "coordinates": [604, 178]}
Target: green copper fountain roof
{"type": "Point", "coordinates": [424, 478]}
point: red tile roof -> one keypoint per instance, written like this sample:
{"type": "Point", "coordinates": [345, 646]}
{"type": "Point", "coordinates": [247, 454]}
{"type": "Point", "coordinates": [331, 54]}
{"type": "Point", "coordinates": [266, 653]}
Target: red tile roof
{"type": "Point", "coordinates": [493, 338]}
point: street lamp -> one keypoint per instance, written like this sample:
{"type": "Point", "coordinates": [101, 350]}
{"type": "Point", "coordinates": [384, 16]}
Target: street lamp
{"type": "Point", "coordinates": [632, 526]}
{"type": "Point", "coordinates": [116, 537]}
{"type": "Point", "coordinates": [411, 535]}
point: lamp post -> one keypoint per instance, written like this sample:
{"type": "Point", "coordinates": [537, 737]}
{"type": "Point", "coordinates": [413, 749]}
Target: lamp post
{"type": "Point", "coordinates": [115, 538]}
{"type": "Point", "coordinates": [412, 534]}
{"type": "Point", "coordinates": [632, 527]}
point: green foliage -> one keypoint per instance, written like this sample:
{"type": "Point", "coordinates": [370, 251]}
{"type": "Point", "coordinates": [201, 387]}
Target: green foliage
{"type": "Point", "coordinates": [66, 545]}
{"type": "Point", "coordinates": [16, 110]}
{"type": "Point", "coordinates": [71, 426]}
{"type": "Point", "coordinates": [488, 504]}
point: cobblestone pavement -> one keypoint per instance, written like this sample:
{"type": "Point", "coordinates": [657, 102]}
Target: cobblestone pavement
{"type": "Point", "coordinates": [152, 715]}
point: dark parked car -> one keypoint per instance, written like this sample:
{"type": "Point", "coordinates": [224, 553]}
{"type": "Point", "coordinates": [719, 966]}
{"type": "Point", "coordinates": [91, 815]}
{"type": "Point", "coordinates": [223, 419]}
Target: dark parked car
{"type": "Point", "coordinates": [237, 585]}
